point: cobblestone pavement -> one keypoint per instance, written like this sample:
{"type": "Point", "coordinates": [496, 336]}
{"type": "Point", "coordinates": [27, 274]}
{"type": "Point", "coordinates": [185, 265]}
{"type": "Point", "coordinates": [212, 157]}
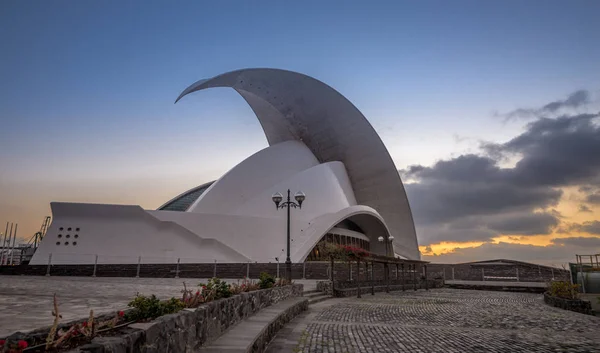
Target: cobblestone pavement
{"type": "Point", "coordinates": [441, 320]}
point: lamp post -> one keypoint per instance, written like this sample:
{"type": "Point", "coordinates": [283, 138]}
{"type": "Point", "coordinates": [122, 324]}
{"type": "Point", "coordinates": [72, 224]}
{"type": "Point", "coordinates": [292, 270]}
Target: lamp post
{"type": "Point", "coordinates": [277, 198]}
{"type": "Point", "coordinates": [390, 239]}
{"type": "Point", "coordinates": [387, 241]}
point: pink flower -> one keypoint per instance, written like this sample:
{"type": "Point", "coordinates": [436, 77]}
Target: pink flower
{"type": "Point", "coordinates": [121, 313]}
{"type": "Point", "coordinates": [84, 324]}
{"type": "Point", "coordinates": [22, 344]}
{"type": "Point", "coordinates": [197, 292]}
{"type": "Point", "coordinates": [2, 342]}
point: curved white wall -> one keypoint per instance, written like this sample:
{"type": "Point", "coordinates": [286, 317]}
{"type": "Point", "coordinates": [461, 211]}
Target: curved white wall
{"type": "Point", "coordinates": [120, 234]}
{"type": "Point", "coordinates": [234, 221]}
{"type": "Point", "coordinates": [252, 176]}
{"type": "Point", "coordinates": [252, 225]}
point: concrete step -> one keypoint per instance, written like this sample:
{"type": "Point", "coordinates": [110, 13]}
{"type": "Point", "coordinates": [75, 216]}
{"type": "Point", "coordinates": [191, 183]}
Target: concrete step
{"type": "Point", "coordinates": [317, 299]}
{"type": "Point", "coordinates": [254, 333]}
{"type": "Point", "coordinates": [312, 295]}
{"type": "Point", "coordinates": [310, 291]}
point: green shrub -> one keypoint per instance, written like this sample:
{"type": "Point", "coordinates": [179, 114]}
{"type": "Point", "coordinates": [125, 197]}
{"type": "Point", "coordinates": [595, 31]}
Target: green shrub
{"type": "Point", "coordinates": [151, 307]}
{"type": "Point", "coordinates": [564, 289]}
{"type": "Point", "coordinates": [265, 280]}
{"type": "Point", "coordinates": [216, 289]}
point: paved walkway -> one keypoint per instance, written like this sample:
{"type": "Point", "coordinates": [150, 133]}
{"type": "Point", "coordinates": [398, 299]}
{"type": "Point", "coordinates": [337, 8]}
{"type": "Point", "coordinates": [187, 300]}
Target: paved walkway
{"type": "Point", "coordinates": [241, 337]}
{"type": "Point", "coordinates": [26, 301]}
{"type": "Point", "coordinates": [441, 320]}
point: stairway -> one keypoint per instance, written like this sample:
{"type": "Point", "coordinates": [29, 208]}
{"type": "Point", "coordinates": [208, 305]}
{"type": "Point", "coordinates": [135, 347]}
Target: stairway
{"type": "Point", "coordinates": [314, 296]}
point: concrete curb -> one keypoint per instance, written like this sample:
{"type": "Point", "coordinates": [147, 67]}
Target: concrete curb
{"type": "Point", "coordinates": [268, 333]}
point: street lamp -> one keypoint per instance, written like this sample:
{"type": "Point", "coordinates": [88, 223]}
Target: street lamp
{"type": "Point", "coordinates": [390, 239]}
{"type": "Point", "coordinates": [277, 198]}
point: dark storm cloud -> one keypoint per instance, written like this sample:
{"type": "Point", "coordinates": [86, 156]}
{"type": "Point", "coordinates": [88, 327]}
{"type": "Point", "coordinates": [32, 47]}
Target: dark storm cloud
{"type": "Point", "coordinates": [440, 201]}
{"type": "Point", "coordinates": [574, 100]}
{"type": "Point", "coordinates": [593, 198]}
{"type": "Point", "coordinates": [524, 223]}
{"type": "Point", "coordinates": [584, 208]}
{"type": "Point", "coordinates": [555, 152]}
{"type": "Point", "coordinates": [491, 200]}
{"type": "Point", "coordinates": [579, 241]}
{"type": "Point", "coordinates": [592, 227]}
{"type": "Point", "coordinates": [435, 233]}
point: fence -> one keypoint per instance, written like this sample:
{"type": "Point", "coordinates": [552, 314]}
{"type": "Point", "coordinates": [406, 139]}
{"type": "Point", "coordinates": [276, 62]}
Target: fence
{"type": "Point", "coordinates": [518, 272]}
{"type": "Point", "coordinates": [141, 266]}
{"type": "Point", "coordinates": [163, 267]}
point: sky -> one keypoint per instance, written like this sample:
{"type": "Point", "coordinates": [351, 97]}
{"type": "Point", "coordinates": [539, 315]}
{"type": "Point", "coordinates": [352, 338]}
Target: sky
{"type": "Point", "coordinates": [488, 109]}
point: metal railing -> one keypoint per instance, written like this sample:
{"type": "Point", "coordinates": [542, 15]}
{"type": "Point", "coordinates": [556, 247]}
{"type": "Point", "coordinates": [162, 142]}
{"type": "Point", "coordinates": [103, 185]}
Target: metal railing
{"type": "Point", "coordinates": [94, 261]}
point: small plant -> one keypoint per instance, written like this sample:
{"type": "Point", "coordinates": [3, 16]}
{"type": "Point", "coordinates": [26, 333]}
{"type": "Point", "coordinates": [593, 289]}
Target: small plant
{"type": "Point", "coordinates": [564, 289]}
{"type": "Point", "coordinates": [354, 253]}
{"type": "Point", "coordinates": [265, 280]}
{"type": "Point", "coordinates": [191, 299]}
{"type": "Point", "coordinates": [282, 282]}
{"type": "Point", "coordinates": [246, 286]}
{"type": "Point", "coordinates": [57, 317]}
{"type": "Point", "coordinates": [10, 347]}
{"type": "Point", "coordinates": [216, 289]}
{"type": "Point", "coordinates": [151, 307]}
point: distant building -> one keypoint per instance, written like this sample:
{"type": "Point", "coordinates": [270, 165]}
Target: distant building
{"type": "Point", "coordinates": [319, 143]}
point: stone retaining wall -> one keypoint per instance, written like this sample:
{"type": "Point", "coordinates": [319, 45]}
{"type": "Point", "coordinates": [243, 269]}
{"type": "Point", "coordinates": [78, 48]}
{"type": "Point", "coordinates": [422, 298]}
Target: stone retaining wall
{"type": "Point", "coordinates": [476, 272]}
{"type": "Point", "coordinates": [504, 288]}
{"type": "Point", "coordinates": [349, 288]}
{"type": "Point", "coordinates": [325, 287]}
{"type": "Point", "coordinates": [188, 329]}
{"type": "Point", "coordinates": [364, 290]}
{"type": "Point", "coordinates": [577, 305]}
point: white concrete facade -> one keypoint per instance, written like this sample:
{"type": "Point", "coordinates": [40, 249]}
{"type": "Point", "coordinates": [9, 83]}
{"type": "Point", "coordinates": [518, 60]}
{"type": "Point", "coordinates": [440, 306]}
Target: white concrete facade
{"type": "Point", "coordinates": [339, 162]}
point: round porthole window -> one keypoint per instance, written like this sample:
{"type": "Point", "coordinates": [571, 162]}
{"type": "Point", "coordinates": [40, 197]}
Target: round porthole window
{"type": "Point", "coordinates": [74, 243]}
{"type": "Point", "coordinates": [57, 243]}
{"type": "Point", "coordinates": [69, 228]}
{"type": "Point", "coordinates": [61, 228]}
{"type": "Point", "coordinates": [76, 236]}
{"type": "Point", "coordinates": [66, 243]}
{"type": "Point", "coordinates": [77, 229]}
{"type": "Point", "coordinates": [68, 235]}
{"type": "Point", "coordinates": [60, 235]}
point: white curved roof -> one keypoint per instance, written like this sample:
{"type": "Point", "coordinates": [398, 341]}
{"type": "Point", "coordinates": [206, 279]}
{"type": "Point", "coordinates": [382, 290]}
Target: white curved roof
{"type": "Point", "coordinates": [292, 106]}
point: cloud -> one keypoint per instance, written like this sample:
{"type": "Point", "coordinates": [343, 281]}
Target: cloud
{"type": "Point", "coordinates": [584, 208]}
{"type": "Point", "coordinates": [585, 242]}
{"type": "Point", "coordinates": [451, 232]}
{"type": "Point", "coordinates": [555, 152]}
{"type": "Point", "coordinates": [593, 198]}
{"type": "Point", "coordinates": [524, 223]}
{"type": "Point", "coordinates": [472, 198]}
{"type": "Point", "coordinates": [592, 227]}
{"type": "Point", "coordinates": [574, 100]}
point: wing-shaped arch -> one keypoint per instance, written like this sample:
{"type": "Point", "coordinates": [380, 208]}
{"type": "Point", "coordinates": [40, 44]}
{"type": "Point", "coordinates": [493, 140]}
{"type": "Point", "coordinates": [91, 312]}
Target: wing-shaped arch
{"type": "Point", "coordinates": [293, 106]}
